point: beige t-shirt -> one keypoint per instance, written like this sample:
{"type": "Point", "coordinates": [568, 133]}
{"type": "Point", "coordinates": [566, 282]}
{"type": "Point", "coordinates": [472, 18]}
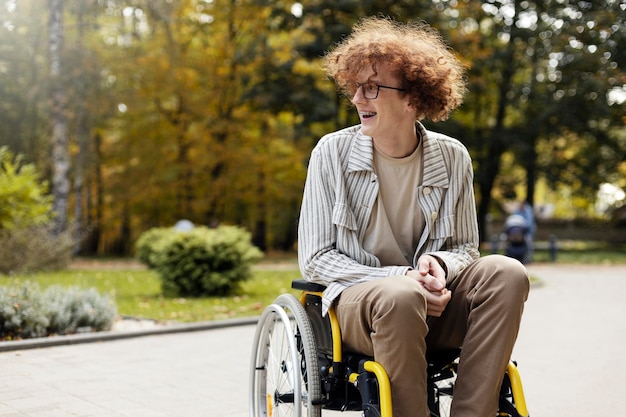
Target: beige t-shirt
{"type": "Point", "coordinates": [397, 221]}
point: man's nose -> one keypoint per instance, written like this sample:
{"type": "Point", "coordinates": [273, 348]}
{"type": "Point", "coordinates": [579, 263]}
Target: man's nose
{"type": "Point", "coordinates": [358, 96]}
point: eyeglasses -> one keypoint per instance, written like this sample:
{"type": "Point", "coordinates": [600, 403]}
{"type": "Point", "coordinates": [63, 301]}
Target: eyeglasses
{"type": "Point", "coordinates": [370, 90]}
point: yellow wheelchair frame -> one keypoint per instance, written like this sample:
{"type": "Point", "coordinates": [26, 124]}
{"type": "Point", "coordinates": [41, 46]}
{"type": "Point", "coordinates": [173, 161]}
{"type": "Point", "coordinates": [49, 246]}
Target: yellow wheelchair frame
{"type": "Point", "coordinates": [299, 367]}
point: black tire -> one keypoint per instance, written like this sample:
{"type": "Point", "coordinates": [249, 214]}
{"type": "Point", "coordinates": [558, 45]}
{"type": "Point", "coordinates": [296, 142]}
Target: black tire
{"type": "Point", "coordinates": [284, 379]}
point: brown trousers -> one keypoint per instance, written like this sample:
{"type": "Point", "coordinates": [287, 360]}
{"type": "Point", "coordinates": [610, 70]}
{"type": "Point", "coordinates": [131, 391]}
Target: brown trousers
{"type": "Point", "coordinates": [387, 319]}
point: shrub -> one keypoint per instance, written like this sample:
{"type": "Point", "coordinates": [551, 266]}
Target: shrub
{"type": "Point", "coordinates": [27, 312]}
{"type": "Point", "coordinates": [35, 248]}
{"type": "Point", "coordinates": [25, 211]}
{"type": "Point", "coordinates": [149, 242]}
{"type": "Point", "coordinates": [72, 309]}
{"type": "Point", "coordinates": [25, 198]}
{"type": "Point", "coordinates": [22, 313]}
{"type": "Point", "coordinates": [203, 261]}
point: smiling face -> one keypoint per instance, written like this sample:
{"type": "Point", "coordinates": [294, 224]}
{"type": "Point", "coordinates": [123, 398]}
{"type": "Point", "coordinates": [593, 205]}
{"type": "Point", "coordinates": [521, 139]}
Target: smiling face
{"type": "Point", "coordinates": [390, 114]}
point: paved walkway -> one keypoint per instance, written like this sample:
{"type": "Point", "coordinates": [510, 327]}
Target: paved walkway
{"type": "Point", "coordinates": [570, 353]}
{"type": "Point", "coordinates": [572, 342]}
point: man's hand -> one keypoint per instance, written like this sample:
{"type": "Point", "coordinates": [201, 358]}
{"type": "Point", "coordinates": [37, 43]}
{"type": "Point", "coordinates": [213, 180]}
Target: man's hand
{"type": "Point", "coordinates": [433, 278]}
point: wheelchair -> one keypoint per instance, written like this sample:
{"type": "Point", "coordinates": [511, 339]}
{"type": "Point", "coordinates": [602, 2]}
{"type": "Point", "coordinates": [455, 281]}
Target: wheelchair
{"type": "Point", "coordinates": [298, 367]}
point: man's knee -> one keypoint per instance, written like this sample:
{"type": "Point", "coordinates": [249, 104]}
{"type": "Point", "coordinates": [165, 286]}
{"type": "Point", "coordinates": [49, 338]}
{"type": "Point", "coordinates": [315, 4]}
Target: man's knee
{"type": "Point", "coordinates": [388, 309]}
{"type": "Point", "coordinates": [399, 295]}
{"type": "Point", "coordinates": [507, 274]}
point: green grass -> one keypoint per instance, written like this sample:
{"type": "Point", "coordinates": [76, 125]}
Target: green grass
{"type": "Point", "coordinates": [138, 293]}
{"type": "Point", "coordinates": [599, 257]}
{"type": "Point", "coordinates": [581, 252]}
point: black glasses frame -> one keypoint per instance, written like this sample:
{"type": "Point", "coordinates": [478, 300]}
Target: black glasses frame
{"type": "Point", "coordinates": [352, 91]}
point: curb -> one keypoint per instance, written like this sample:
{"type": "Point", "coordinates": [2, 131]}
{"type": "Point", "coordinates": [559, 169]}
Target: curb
{"type": "Point", "coordinates": [75, 339]}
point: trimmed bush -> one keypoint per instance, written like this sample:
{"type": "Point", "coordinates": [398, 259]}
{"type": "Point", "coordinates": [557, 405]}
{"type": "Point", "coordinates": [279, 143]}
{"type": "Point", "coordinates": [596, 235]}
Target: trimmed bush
{"type": "Point", "coordinates": [202, 261]}
{"type": "Point", "coordinates": [27, 312]}
{"type": "Point", "coordinates": [149, 243]}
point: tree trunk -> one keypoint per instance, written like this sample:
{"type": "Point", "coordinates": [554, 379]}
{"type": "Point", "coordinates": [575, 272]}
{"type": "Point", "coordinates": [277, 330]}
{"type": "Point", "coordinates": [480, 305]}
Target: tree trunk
{"type": "Point", "coordinates": [531, 172]}
{"type": "Point", "coordinates": [95, 202]}
{"type": "Point", "coordinates": [82, 133]}
{"type": "Point", "coordinates": [60, 152]}
{"type": "Point", "coordinates": [491, 164]}
{"type": "Point", "coordinates": [499, 141]}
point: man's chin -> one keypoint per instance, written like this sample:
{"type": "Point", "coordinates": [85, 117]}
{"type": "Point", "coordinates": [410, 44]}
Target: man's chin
{"type": "Point", "coordinates": [366, 130]}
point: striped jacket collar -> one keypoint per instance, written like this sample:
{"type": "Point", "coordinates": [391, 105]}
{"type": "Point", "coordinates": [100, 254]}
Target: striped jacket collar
{"type": "Point", "coordinates": [435, 171]}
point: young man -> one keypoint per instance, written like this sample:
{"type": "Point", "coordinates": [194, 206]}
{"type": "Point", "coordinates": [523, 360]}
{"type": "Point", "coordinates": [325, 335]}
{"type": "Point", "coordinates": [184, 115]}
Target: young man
{"type": "Point", "coordinates": [388, 223]}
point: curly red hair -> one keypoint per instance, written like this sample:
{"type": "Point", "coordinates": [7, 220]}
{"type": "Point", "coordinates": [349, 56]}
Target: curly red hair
{"type": "Point", "coordinates": [428, 69]}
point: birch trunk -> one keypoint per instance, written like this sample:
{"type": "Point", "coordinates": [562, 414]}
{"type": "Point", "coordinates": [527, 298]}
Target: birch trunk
{"type": "Point", "coordinates": [60, 151]}
{"type": "Point", "coordinates": [82, 133]}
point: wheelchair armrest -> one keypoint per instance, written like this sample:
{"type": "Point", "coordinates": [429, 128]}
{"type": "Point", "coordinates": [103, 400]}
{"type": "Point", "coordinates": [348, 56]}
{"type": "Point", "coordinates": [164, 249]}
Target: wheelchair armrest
{"type": "Point", "coordinates": [304, 285]}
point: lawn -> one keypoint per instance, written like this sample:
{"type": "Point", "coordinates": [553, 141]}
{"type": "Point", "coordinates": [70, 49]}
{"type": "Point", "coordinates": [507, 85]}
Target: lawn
{"type": "Point", "coordinates": [584, 253]}
{"type": "Point", "coordinates": [137, 292]}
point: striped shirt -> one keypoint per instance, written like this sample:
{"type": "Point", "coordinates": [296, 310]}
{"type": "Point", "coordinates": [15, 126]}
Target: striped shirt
{"type": "Point", "coordinates": [339, 194]}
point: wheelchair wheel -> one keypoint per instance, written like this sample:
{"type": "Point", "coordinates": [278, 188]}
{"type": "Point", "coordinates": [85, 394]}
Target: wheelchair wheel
{"type": "Point", "coordinates": [284, 379]}
{"type": "Point", "coordinates": [444, 400]}
{"type": "Point", "coordinates": [441, 386]}
{"type": "Point", "coordinates": [440, 390]}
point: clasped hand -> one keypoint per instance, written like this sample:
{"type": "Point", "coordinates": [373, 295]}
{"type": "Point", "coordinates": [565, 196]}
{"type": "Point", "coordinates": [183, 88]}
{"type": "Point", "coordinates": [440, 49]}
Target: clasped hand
{"type": "Point", "coordinates": [431, 275]}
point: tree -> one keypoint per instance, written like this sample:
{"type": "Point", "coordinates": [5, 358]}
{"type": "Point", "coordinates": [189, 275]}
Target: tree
{"type": "Point", "coordinates": [585, 63]}
{"type": "Point", "coordinates": [527, 90]}
{"type": "Point", "coordinates": [207, 110]}
{"type": "Point", "coordinates": [22, 118]}
{"type": "Point", "coordinates": [197, 129]}
{"type": "Point", "coordinates": [59, 139]}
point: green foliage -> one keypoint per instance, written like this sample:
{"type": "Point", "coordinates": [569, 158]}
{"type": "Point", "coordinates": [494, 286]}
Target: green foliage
{"type": "Point", "coordinates": [34, 248]}
{"type": "Point", "coordinates": [148, 244]}
{"type": "Point", "coordinates": [24, 197]}
{"type": "Point", "coordinates": [25, 212]}
{"type": "Point", "coordinates": [192, 119]}
{"type": "Point", "coordinates": [202, 261]}
{"type": "Point", "coordinates": [26, 311]}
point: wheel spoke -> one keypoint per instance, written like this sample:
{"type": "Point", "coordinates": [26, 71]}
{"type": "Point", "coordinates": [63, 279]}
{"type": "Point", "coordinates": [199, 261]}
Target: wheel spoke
{"type": "Point", "coordinates": [283, 355]}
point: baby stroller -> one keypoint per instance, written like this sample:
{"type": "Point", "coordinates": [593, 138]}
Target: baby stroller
{"type": "Point", "coordinates": [517, 232]}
